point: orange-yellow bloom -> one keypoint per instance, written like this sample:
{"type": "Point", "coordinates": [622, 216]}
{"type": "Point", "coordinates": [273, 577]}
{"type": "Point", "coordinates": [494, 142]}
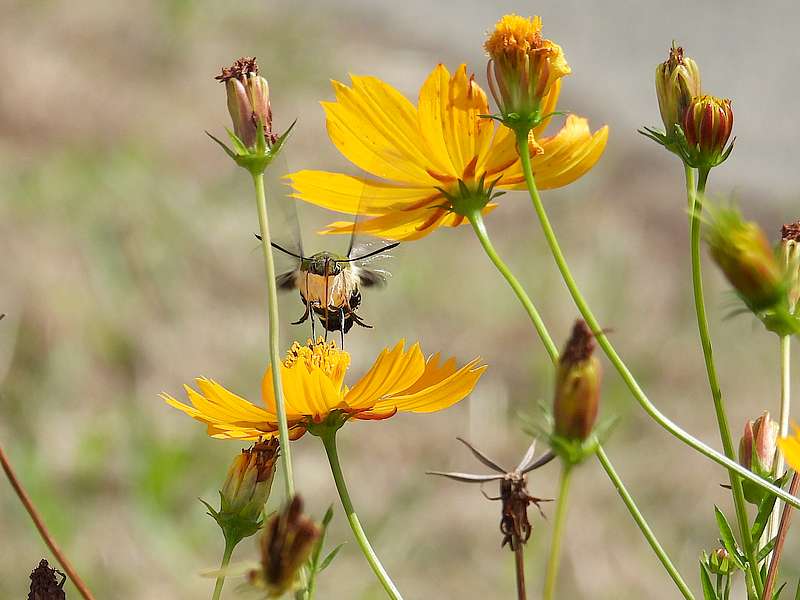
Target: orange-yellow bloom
{"type": "Point", "coordinates": [790, 448]}
{"type": "Point", "coordinates": [418, 155]}
{"type": "Point", "coordinates": [313, 388]}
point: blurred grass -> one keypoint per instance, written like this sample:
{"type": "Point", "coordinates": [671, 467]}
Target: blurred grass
{"type": "Point", "coordinates": [128, 269]}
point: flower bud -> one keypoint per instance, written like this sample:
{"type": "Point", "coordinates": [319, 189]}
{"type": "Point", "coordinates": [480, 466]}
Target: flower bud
{"type": "Point", "coordinates": [523, 68]}
{"type": "Point", "coordinates": [677, 82]}
{"type": "Point", "coordinates": [744, 255]}
{"type": "Point", "coordinates": [719, 562]}
{"type": "Point", "coordinates": [757, 453]}
{"type": "Point", "coordinates": [248, 100]}
{"type": "Point", "coordinates": [790, 252]}
{"type": "Point", "coordinates": [577, 395]}
{"type": "Point", "coordinates": [249, 481]}
{"type": "Point", "coordinates": [707, 125]}
{"type": "Point", "coordinates": [286, 543]}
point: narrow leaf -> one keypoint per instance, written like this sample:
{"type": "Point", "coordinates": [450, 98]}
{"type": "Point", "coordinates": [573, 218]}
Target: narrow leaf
{"type": "Point", "coordinates": [777, 593]}
{"type": "Point", "coordinates": [768, 547]}
{"type": "Point", "coordinates": [329, 559]}
{"type": "Point", "coordinates": [763, 516]}
{"type": "Point", "coordinates": [727, 539]}
{"type": "Point", "coordinates": [708, 588]}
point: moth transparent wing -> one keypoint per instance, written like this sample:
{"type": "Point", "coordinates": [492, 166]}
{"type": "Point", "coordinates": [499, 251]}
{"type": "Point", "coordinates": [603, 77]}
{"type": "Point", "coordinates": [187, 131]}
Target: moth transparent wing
{"type": "Point", "coordinates": [284, 224]}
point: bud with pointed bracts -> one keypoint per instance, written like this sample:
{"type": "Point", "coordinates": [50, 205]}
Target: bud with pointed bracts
{"type": "Point", "coordinates": [790, 252]}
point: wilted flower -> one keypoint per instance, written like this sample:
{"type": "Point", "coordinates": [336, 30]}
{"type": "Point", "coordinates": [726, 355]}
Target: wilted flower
{"type": "Point", "coordinates": [523, 67]}
{"type": "Point", "coordinates": [757, 453]}
{"type": "Point", "coordinates": [707, 125]}
{"type": "Point", "coordinates": [577, 388]}
{"type": "Point", "coordinates": [744, 255]}
{"type": "Point", "coordinates": [286, 543]}
{"type": "Point", "coordinates": [677, 82]}
{"type": "Point", "coordinates": [314, 390]}
{"type": "Point", "coordinates": [248, 100]}
{"type": "Point", "coordinates": [434, 162]}
{"type": "Point", "coordinates": [790, 250]}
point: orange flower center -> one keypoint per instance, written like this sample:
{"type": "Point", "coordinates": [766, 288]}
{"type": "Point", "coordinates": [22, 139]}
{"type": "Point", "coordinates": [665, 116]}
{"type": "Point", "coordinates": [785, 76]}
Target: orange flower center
{"type": "Point", "coordinates": [319, 355]}
{"type": "Point", "coordinates": [514, 35]}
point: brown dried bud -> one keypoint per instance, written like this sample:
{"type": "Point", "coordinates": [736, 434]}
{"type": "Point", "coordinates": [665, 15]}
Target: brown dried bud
{"type": "Point", "coordinates": [249, 481]}
{"type": "Point", "coordinates": [577, 394]}
{"type": "Point", "coordinates": [248, 100]}
{"type": "Point", "coordinates": [286, 543]}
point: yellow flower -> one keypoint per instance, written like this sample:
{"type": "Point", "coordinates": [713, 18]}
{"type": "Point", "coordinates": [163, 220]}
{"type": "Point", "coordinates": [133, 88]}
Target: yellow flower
{"type": "Point", "coordinates": [790, 448]}
{"type": "Point", "coordinates": [313, 376]}
{"type": "Point", "coordinates": [421, 157]}
{"type": "Point", "coordinates": [523, 67]}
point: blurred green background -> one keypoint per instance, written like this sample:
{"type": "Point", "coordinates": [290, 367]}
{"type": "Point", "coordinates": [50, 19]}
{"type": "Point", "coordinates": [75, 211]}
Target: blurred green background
{"type": "Point", "coordinates": [127, 268]}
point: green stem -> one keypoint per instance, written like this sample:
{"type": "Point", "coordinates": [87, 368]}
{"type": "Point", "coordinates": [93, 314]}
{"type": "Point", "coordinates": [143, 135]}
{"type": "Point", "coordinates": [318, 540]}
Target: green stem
{"type": "Point", "coordinates": [476, 219]}
{"type": "Point", "coordinates": [226, 559]}
{"type": "Point", "coordinates": [616, 360]}
{"type": "Point", "coordinates": [786, 403]}
{"type": "Point", "coordinates": [329, 441]}
{"type": "Point", "coordinates": [558, 532]}
{"type": "Point", "coordinates": [274, 334]}
{"type": "Point", "coordinates": [643, 526]}
{"type": "Point", "coordinates": [696, 199]}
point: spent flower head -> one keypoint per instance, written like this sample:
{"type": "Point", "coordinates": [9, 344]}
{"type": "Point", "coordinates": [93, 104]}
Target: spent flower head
{"type": "Point", "coordinates": [287, 542]}
{"type": "Point", "coordinates": [523, 68]}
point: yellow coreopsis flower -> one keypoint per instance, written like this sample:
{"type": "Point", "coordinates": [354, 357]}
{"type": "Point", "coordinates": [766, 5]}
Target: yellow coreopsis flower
{"type": "Point", "coordinates": [314, 390]}
{"type": "Point", "coordinates": [790, 448]}
{"type": "Point", "coordinates": [425, 158]}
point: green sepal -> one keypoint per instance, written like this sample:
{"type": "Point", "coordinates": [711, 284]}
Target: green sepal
{"type": "Point", "coordinates": [727, 539]}
{"type": "Point", "coordinates": [235, 527]}
{"type": "Point", "coordinates": [257, 159]}
{"type": "Point", "coordinates": [571, 451]}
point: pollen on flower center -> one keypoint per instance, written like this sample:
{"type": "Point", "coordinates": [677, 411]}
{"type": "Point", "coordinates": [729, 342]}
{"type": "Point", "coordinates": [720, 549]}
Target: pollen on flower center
{"type": "Point", "coordinates": [321, 355]}
{"type": "Point", "coordinates": [515, 34]}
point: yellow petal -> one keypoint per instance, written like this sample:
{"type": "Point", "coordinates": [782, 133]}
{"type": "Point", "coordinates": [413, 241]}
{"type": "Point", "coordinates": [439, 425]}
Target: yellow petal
{"type": "Point", "coordinates": [790, 448]}
{"type": "Point", "coordinates": [394, 370]}
{"type": "Point", "coordinates": [355, 195]}
{"type": "Point", "coordinates": [309, 391]}
{"type": "Point", "coordinates": [568, 155]}
{"type": "Point", "coordinates": [440, 394]}
{"type": "Point", "coordinates": [397, 225]}
{"type": "Point", "coordinates": [376, 128]}
{"type": "Point", "coordinates": [232, 404]}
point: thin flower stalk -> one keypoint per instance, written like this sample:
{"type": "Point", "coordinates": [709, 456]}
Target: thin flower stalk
{"type": "Point", "coordinates": [643, 525]}
{"type": "Point", "coordinates": [226, 559]}
{"type": "Point", "coordinates": [696, 201]}
{"type": "Point", "coordinates": [329, 441]}
{"type": "Point", "coordinates": [551, 575]}
{"type": "Point", "coordinates": [274, 334]}
{"type": "Point", "coordinates": [26, 501]}
{"type": "Point", "coordinates": [616, 360]}
{"type": "Point", "coordinates": [786, 403]}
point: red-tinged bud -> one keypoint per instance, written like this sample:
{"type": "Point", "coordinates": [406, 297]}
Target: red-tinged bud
{"type": "Point", "coordinates": [719, 562]}
{"type": "Point", "coordinates": [577, 394]}
{"type": "Point", "coordinates": [707, 125]}
{"type": "Point", "coordinates": [248, 100]}
{"type": "Point", "coordinates": [677, 82]}
{"type": "Point", "coordinates": [249, 481]}
{"type": "Point", "coordinates": [747, 259]}
{"type": "Point", "coordinates": [757, 452]}
{"type": "Point", "coordinates": [286, 543]}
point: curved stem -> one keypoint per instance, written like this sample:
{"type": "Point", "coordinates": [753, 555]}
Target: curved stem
{"type": "Point", "coordinates": [616, 360]}
{"type": "Point", "coordinates": [643, 526]}
{"type": "Point", "coordinates": [274, 334]}
{"type": "Point", "coordinates": [329, 441]}
{"type": "Point", "coordinates": [696, 200]}
{"type": "Point", "coordinates": [558, 532]}
{"type": "Point", "coordinates": [42, 528]}
{"type": "Point", "coordinates": [226, 559]}
{"type": "Point", "coordinates": [476, 219]}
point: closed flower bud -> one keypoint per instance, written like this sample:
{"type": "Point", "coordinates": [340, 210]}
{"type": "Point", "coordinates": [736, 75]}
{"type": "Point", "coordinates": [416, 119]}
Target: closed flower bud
{"type": "Point", "coordinates": [719, 562]}
{"type": "Point", "coordinates": [742, 251]}
{"type": "Point", "coordinates": [248, 100]}
{"type": "Point", "coordinates": [577, 394]}
{"type": "Point", "coordinates": [249, 481]}
{"type": "Point", "coordinates": [286, 543]}
{"type": "Point", "coordinates": [757, 453]}
{"type": "Point", "coordinates": [707, 125]}
{"type": "Point", "coordinates": [677, 82]}
{"type": "Point", "coordinates": [790, 252]}
{"type": "Point", "coordinates": [523, 68]}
